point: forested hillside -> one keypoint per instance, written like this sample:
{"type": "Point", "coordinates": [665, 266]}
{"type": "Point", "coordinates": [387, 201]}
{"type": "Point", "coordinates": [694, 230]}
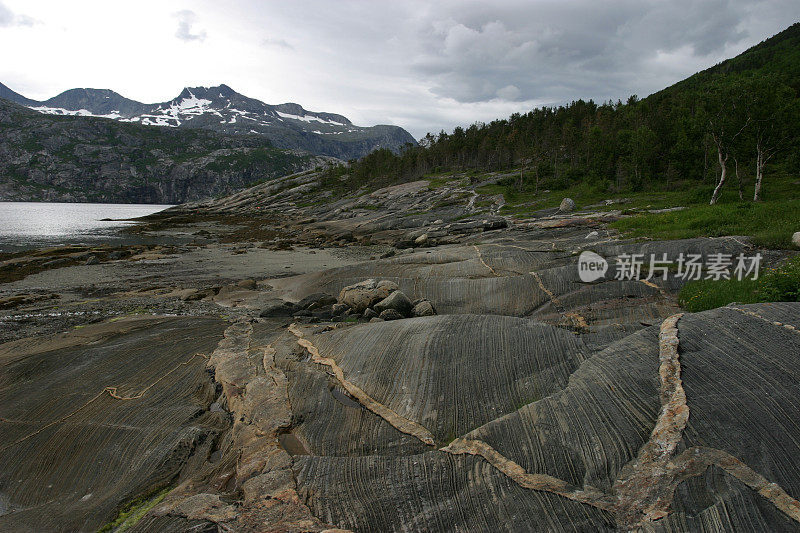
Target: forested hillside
{"type": "Point", "coordinates": [735, 120]}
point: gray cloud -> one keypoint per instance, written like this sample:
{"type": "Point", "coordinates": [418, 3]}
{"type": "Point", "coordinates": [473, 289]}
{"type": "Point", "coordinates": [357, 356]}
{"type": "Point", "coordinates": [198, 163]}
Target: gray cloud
{"type": "Point", "coordinates": [429, 66]}
{"type": "Point", "coordinates": [9, 18]}
{"type": "Point", "coordinates": [185, 31]}
{"type": "Point", "coordinates": [422, 65]}
{"type": "Point", "coordinates": [269, 42]}
{"type": "Point", "coordinates": [552, 50]}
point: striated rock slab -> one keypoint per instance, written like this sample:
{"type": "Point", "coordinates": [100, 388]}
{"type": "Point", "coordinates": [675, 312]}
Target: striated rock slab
{"type": "Point", "coordinates": [606, 446]}
{"type": "Point", "coordinates": [101, 415]}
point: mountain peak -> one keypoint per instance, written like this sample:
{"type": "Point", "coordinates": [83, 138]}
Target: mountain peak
{"type": "Point", "coordinates": [219, 108]}
{"type": "Point", "coordinates": [209, 93]}
{"type": "Point", "coordinates": [8, 94]}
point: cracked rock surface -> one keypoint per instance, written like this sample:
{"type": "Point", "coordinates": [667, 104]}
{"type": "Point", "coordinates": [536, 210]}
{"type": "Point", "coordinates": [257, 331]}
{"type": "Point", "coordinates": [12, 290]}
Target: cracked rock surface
{"type": "Point", "coordinates": [530, 402]}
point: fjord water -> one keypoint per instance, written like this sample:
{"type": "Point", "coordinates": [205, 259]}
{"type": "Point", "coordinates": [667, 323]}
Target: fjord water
{"type": "Point", "coordinates": [26, 225]}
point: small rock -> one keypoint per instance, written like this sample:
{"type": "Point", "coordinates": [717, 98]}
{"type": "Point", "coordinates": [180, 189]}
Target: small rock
{"type": "Point", "coordinates": [278, 309]}
{"type": "Point", "coordinates": [369, 313]}
{"type": "Point", "coordinates": [592, 235]}
{"type": "Point", "coordinates": [93, 260]}
{"type": "Point", "coordinates": [390, 314]}
{"type": "Point", "coordinates": [438, 221]}
{"type": "Point", "coordinates": [247, 284]}
{"type": "Point", "coordinates": [396, 301]}
{"type": "Point", "coordinates": [339, 309]}
{"type": "Point", "coordinates": [198, 294]}
{"type": "Point", "coordinates": [376, 319]}
{"type": "Point", "coordinates": [567, 205]}
{"type": "Point", "coordinates": [423, 308]}
{"type": "Point", "coordinates": [316, 300]}
{"type": "Point", "coordinates": [422, 240]}
{"type": "Point", "coordinates": [796, 239]}
{"type": "Point", "coordinates": [117, 254]}
{"type": "Point", "coordinates": [388, 254]}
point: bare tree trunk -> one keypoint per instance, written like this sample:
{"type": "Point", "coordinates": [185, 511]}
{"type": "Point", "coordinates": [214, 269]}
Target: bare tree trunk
{"type": "Point", "coordinates": [759, 172]}
{"type": "Point", "coordinates": [738, 178]}
{"type": "Point", "coordinates": [723, 173]}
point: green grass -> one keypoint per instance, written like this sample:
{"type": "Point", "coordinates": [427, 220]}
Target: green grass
{"type": "Point", "coordinates": [780, 284]}
{"type": "Point", "coordinates": [770, 224]}
{"type": "Point", "coordinates": [134, 511]}
{"type": "Point", "coordinates": [524, 202]}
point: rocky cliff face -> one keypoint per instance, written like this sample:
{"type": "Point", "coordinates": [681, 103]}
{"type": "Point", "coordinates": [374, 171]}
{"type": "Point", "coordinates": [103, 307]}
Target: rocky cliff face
{"type": "Point", "coordinates": [82, 159]}
{"type": "Point", "coordinates": [223, 110]}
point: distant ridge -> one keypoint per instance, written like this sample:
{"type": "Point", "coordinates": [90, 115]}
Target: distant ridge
{"type": "Point", "coordinates": [223, 110]}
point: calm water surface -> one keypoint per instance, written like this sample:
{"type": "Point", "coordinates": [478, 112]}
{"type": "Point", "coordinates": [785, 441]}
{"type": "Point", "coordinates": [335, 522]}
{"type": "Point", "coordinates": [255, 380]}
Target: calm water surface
{"type": "Point", "coordinates": [35, 224]}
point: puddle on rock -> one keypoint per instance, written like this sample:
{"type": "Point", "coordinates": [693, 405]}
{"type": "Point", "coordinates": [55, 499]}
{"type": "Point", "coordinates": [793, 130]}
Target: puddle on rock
{"type": "Point", "coordinates": [292, 444]}
{"type": "Point", "coordinates": [345, 398]}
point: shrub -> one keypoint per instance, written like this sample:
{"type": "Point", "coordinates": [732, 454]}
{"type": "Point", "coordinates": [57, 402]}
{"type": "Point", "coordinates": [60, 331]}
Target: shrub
{"type": "Point", "coordinates": [780, 284]}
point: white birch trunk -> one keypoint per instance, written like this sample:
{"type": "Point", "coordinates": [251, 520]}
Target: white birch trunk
{"type": "Point", "coordinates": [723, 173]}
{"type": "Point", "coordinates": [759, 173]}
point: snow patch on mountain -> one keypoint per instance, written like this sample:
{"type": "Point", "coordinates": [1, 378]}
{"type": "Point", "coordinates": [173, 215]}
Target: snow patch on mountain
{"type": "Point", "coordinates": [309, 118]}
{"type": "Point", "coordinates": [73, 112]}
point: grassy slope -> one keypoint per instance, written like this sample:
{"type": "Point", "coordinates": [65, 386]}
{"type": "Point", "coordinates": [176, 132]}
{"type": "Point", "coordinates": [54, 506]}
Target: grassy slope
{"type": "Point", "coordinates": [770, 222]}
{"type": "Point", "coordinates": [773, 285]}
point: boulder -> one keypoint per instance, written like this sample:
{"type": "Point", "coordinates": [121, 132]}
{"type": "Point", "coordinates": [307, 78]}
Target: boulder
{"type": "Point", "coordinates": [422, 240]}
{"type": "Point", "coordinates": [316, 300]}
{"type": "Point", "coordinates": [366, 293]}
{"type": "Point", "coordinates": [369, 313]}
{"type": "Point", "coordinates": [249, 284]}
{"type": "Point", "coordinates": [278, 309]}
{"type": "Point", "coordinates": [567, 205]}
{"type": "Point", "coordinates": [796, 239]}
{"type": "Point", "coordinates": [396, 301]}
{"type": "Point", "coordinates": [423, 308]}
{"type": "Point", "coordinates": [339, 309]}
{"type": "Point", "coordinates": [93, 260]}
{"type": "Point", "coordinates": [196, 294]}
{"type": "Point", "coordinates": [390, 314]}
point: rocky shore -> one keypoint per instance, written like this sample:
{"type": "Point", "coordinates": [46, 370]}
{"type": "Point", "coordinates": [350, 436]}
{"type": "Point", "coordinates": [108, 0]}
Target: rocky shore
{"type": "Point", "coordinates": [404, 359]}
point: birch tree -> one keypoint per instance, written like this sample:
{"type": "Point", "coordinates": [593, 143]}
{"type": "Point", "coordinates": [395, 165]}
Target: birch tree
{"type": "Point", "coordinates": [772, 110]}
{"type": "Point", "coordinates": [726, 120]}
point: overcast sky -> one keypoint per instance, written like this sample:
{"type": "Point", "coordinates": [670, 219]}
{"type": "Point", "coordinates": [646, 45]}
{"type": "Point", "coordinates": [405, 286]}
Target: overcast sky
{"type": "Point", "coordinates": [425, 66]}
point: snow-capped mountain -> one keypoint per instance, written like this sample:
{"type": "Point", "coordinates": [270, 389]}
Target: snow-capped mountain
{"type": "Point", "coordinates": [224, 110]}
